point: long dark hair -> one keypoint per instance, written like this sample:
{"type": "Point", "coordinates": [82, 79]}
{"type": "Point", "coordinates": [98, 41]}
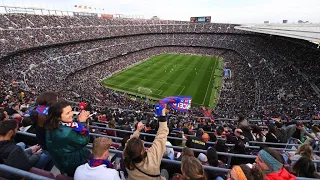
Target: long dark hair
{"type": "Point", "coordinates": [47, 99]}
{"type": "Point", "coordinates": [304, 167]}
{"type": "Point", "coordinates": [252, 173]}
{"type": "Point", "coordinates": [54, 115]}
{"type": "Point", "coordinates": [132, 153]}
{"type": "Point", "coordinates": [212, 157]}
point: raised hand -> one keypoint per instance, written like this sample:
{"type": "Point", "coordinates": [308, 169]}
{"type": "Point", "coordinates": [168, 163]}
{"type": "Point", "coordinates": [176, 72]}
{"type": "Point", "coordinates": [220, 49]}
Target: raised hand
{"type": "Point", "coordinates": [140, 126]}
{"type": "Point", "coordinates": [83, 116]}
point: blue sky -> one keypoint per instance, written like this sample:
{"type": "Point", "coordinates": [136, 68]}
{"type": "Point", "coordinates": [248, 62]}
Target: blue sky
{"type": "Point", "coordinates": [225, 11]}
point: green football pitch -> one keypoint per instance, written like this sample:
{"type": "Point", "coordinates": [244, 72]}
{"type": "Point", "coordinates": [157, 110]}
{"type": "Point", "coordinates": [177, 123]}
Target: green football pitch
{"type": "Point", "coordinates": [170, 75]}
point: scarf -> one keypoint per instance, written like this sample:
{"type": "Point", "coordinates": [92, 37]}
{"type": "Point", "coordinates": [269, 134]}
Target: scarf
{"type": "Point", "coordinates": [76, 126]}
{"type": "Point", "coordinates": [97, 162]}
{"type": "Point", "coordinates": [272, 163]}
{"type": "Point", "coordinates": [43, 110]}
{"type": "Point", "coordinates": [240, 174]}
{"type": "Point", "coordinates": [179, 103]}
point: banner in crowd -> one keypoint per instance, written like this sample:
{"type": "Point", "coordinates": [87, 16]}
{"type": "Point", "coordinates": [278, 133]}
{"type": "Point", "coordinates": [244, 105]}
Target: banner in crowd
{"type": "Point", "coordinates": [107, 16]}
{"type": "Point", "coordinates": [85, 14]}
{"type": "Point", "coordinates": [207, 113]}
{"type": "Point", "coordinates": [179, 103]}
{"type": "Point", "coordinates": [87, 7]}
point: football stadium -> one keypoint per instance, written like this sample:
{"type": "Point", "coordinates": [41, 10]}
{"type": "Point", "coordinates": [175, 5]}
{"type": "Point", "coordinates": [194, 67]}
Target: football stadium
{"type": "Point", "coordinates": [172, 74]}
{"type": "Point", "coordinates": [90, 94]}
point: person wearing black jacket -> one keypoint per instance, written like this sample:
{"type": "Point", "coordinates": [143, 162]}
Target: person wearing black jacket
{"type": "Point", "coordinates": [12, 154]}
{"type": "Point", "coordinates": [271, 136]}
{"type": "Point", "coordinates": [13, 110]}
{"type": "Point", "coordinates": [197, 142]}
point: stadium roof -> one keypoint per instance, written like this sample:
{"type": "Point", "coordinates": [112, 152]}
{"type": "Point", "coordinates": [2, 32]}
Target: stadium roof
{"type": "Point", "coordinates": [309, 32]}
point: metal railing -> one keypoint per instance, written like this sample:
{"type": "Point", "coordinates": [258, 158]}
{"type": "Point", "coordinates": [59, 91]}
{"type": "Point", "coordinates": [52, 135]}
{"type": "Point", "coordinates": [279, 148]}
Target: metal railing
{"type": "Point", "coordinates": [22, 173]}
{"type": "Point", "coordinates": [209, 142]}
{"type": "Point", "coordinates": [229, 155]}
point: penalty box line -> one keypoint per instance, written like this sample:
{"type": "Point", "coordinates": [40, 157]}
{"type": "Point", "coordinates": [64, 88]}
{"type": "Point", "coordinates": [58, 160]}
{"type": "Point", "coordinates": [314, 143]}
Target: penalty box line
{"type": "Point", "coordinates": [137, 86]}
{"type": "Point", "coordinates": [133, 89]}
{"type": "Point", "coordinates": [155, 80]}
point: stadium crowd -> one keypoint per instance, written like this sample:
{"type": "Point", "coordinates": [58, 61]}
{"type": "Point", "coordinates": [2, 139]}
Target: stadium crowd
{"type": "Point", "coordinates": [21, 31]}
{"type": "Point", "coordinates": [287, 94]}
{"type": "Point", "coordinates": [268, 81]}
{"type": "Point", "coordinates": [194, 142]}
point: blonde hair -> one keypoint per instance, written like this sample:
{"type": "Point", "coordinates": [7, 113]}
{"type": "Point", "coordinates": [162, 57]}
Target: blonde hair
{"type": "Point", "coordinates": [100, 146]}
{"type": "Point", "coordinates": [305, 150]}
{"type": "Point", "coordinates": [192, 169]}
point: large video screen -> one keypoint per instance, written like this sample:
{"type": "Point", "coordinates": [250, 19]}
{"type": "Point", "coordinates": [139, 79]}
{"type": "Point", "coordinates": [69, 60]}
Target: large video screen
{"type": "Point", "coordinates": [200, 19]}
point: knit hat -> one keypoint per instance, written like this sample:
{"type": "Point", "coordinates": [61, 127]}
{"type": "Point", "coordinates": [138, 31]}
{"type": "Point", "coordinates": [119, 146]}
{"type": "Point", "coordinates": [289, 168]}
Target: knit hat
{"type": "Point", "coordinates": [272, 162]}
{"type": "Point", "coordinates": [82, 105]}
{"type": "Point", "coordinates": [203, 158]}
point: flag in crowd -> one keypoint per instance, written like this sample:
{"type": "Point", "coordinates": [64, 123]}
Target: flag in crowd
{"type": "Point", "coordinates": [179, 103]}
{"type": "Point", "coordinates": [87, 7]}
{"type": "Point", "coordinates": [207, 113]}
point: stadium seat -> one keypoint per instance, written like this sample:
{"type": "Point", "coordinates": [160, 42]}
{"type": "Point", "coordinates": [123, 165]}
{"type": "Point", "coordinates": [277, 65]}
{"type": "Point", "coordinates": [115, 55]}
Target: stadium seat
{"type": "Point", "coordinates": [63, 177]}
{"type": "Point", "coordinates": [41, 172]}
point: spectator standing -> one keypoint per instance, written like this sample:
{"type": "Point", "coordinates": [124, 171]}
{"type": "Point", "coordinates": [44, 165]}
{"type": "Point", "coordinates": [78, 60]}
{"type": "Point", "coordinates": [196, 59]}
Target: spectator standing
{"type": "Point", "coordinates": [39, 114]}
{"type": "Point", "coordinates": [142, 164]}
{"type": "Point", "coordinates": [66, 140]}
{"type": "Point", "coordinates": [297, 131]}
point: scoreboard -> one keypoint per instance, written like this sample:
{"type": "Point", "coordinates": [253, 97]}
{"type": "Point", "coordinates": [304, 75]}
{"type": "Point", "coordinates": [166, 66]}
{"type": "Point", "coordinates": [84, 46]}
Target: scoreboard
{"type": "Point", "coordinates": [204, 19]}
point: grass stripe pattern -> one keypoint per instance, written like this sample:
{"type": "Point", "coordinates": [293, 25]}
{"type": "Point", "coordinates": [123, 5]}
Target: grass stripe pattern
{"type": "Point", "coordinates": [170, 75]}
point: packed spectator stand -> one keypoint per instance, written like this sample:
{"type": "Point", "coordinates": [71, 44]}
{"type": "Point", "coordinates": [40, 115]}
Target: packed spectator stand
{"type": "Point", "coordinates": [70, 55]}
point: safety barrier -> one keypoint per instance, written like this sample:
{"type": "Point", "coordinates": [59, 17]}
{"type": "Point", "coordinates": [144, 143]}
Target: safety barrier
{"type": "Point", "coordinates": [28, 175]}
{"type": "Point", "coordinates": [209, 142]}
{"type": "Point", "coordinates": [22, 173]}
{"type": "Point", "coordinates": [229, 155]}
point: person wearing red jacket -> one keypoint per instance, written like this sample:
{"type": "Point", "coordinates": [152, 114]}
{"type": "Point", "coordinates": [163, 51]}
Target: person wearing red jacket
{"type": "Point", "coordinates": [271, 163]}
